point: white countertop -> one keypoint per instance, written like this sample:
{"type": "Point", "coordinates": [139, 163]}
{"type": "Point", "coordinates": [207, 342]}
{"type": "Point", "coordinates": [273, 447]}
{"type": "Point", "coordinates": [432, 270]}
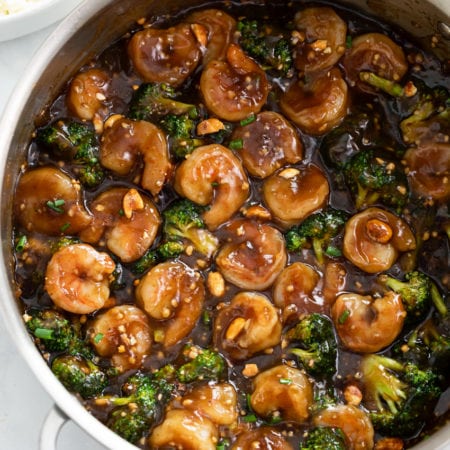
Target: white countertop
{"type": "Point", "coordinates": [23, 402]}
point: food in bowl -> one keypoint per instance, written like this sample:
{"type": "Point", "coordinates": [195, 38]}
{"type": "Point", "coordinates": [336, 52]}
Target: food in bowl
{"type": "Point", "coordinates": [231, 232]}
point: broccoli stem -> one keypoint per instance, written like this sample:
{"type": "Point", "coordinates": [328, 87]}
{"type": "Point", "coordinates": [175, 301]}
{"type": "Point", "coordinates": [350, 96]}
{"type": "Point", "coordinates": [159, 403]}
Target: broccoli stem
{"type": "Point", "coordinates": [388, 86]}
{"type": "Point", "coordinates": [438, 301]}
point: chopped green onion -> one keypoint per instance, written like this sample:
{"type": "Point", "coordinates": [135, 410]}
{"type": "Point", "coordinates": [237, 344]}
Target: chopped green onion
{"type": "Point", "coordinates": [250, 418]}
{"type": "Point", "coordinates": [349, 41]}
{"type": "Point", "coordinates": [285, 381]}
{"type": "Point", "coordinates": [236, 144]}
{"type": "Point", "coordinates": [98, 337]}
{"type": "Point", "coordinates": [333, 251]}
{"type": "Point", "coordinates": [55, 205]}
{"type": "Point", "coordinates": [21, 243]}
{"type": "Point", "coordinates": [43, 333]}
{"type": "Point", "coordinates": [344, 316]}
{"type": "Point", "coordinates": [248, 120]}
{"type": "Point", "coordinates": [215, 184]}
{"type": "Point", "coordinates": [65, 227]}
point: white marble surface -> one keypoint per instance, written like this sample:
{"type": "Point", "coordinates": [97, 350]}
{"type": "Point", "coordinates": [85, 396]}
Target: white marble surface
{"type": "Point", "coordinates": [23, 402]}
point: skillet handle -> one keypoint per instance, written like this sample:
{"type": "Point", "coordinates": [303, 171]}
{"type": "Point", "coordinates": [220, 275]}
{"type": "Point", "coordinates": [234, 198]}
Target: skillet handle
{"type": "Point", "coordinates": [50, 430]}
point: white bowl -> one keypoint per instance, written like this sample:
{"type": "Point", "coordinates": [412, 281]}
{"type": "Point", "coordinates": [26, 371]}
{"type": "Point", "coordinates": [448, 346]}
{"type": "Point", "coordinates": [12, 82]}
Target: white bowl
{"type": "Point", "coordinates": [35, 17]}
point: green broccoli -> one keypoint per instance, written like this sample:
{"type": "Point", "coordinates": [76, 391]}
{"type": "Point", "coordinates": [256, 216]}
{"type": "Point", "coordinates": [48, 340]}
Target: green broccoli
{"type": "Point", "coordinates": [390, 87]}
{"type": "Point", "coordinates": [399, 396]}
{"type": "Point", "coordinates": [79, 375]}
{"type": "Point", "coordinates": [183, 220]}
{"type": "Point", "coordinates": [205, 365]}
{"type": "Point", "coordinates": [329, 438]}
{"type": "Point", "coordinates": [373, 177]}
{"type": "Point", "coordinates": [63, 241]}
{"type": "Point", "coordinates": [315, 344]}
{"type": "Point", "coordinates": [128, 422]}
{"type": "Point", "coordinates": [153, 101]}
{"type": "Point", "coordinates": [273, 52]}
{"type": "Point", "coordinates": [318, 230]}
{"type": "Point", "coordinates": [76, 142]}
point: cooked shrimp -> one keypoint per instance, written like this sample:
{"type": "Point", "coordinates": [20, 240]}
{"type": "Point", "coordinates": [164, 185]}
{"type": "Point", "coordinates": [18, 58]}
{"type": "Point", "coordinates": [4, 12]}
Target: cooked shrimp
{"type": "Point", "coordinates": [248, 325]}
{"type": "Point", "coordinates": [235, 88]}
{"type": "Point", "coordinates": [254, 255]}
{"type": "Point", "coordinates": [321, 39]}
{"type": "Point", "coordinates": [123, 334]}
{"type": "Point", "coordinates": [368, 324]}
{"type": "Point", "coordinates": [374, 52]}
{"type": "Point", "coordinates": [263, 438]}
{"type": "Point", "coordinates": [48, 201]}
{"type": "Point", "coordinates": [284, 392]}
{"type": "Point", "coordinates": [173, 294]}
{"type": "Point", "coordinates": [217, 402]}
{"type": "Point", "coordinates": [354, 422]}
{"type": "Point", "coordinates": [77, 278]}
{"type": "Point", "coordinates": [88, 94]}
{"type": "Point", "coordinates": [268, 143]}
{"type": "Point", "coordinates": [214, 176]}
{"type": "Point", "coordinates": [293, 193]}
{"type": "Point", "coordinates": [183, 429]}
{"type": "Point", "coordinates": [429, 171]}
{"type": "Point", "coordinates": [318, 105]}
{"type": "Point", "coordinates": [125, 141]}
{"type": "Point", "coordinates": [127, 219]}
{"type": "Point", "coordinates": [293, 291]}
{"type": "Point", "coordinates": [220, 28]}
{"type": "Point", "coordinates": [165, 55]}
{"type": "Point", "coordinates": [374, 238]}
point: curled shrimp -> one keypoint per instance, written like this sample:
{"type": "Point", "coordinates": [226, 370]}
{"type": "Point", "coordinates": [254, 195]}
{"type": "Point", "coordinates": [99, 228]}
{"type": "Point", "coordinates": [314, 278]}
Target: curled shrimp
{"type": "Point", "coordinates": [183, 429]}
{"type": "Point", "coordinates": [235, 88]}
{"type": "Point", "coordinates": [282, 391]}
{"type": "Point", "coordinates": [268, 143]}
{"type": "Point", "coordinates": [125, 141]}
{"type": "Point", "coordinates": [248, 325]}
{"type": "Point", "coordinates": [366, 324]}
{"type": "Point", "coordinates": [317, 105]}
{"type": "Point", "coordinates": [88, 94]}
{"type": "Point", "coordinates": [262, 438]}
{"type": "Point", "coordinates": [213, 175]}
{"type": "Point", "coordinates": [321, 39]}
{"type": "Point", "coordinates": [254, 255]}
{"type": "Point", "coordinates": [77, 278]}
{"type": "Point", "coordinates": [48, 201]}
{"type": "Point", "coordinates": [172, 294]}
{"type": "Point", "coordinates": [293, 290]}
{"type": "Point", "coordinates": [220, 28]}
{"type": "Point", "coordinates": [293, 193]}
{"type": "Point", "coordinates": [127, 219]}
{"type": "Point", "coordinates": [165, 55]}
{"type": "Point", "coordinates": [123, 334]}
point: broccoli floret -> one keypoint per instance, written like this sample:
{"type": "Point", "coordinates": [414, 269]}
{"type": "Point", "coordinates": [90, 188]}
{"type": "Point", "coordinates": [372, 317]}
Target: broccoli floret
{"type": "Point", "coordinates": [318, 230]}
{"type": "Point", "coordinates": [79, 375]}
{"type": "Point", "coordinates": [128, 423]}
{"type": "Point", "coordinates": [315, 344]}
{"type": "Point", "coordinates": [183, 220]}
{"type": "Point", "coordinates": [273, 52]}
{"type": "Point", "coordinates": [402, 395]}
{"type": "Point", "coordinates": [372, 177]}
{"type": "Point", "coordinates": [75, 142]}
{"type": "Point", "coordinates": [152, 101]}
{"type": "Point", "coordinates": [320, 438]}
{"type": "Point", "coordinates": [64, 241]}
{"type": "Point", "coordinates": [205, 365]}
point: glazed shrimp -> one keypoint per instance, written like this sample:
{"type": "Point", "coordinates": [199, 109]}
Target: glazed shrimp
{"type": "Point", "coordinates": [354, 422]}
{"type": "Point", "coordinates": [293, 193]}
{"type": "Point", "coordinates": [293, 291]}
{"type": "Point", "coordinates": [77, 278]}
{"type": "Point", "coordinates": [123, 334]}
{"type": "Point", "coordinates": [374, 238]}
{"type": "Point", "coordinates": [214, 176]}
{"type": "Point", "coordinates": [172, 294]}
{"type": "Point", "coordinates": [88, 94]}
{"type": "Point", "coordinates": [254, 255]}
{"type": "Point", "coordinates": [220, 28]}
{"type": "Point", "coordinates": [318, 105]}
{"type": "Point", "coordinates": [263, 438]}
{"type": "Point", "coordinates": [268, 143]}
{"type": "Point", "coordinates": [125, 141]}
{"type": "Point", "coordinates": [366, 324]}
{"type": "Point", "coordinates": [235, 88]}
{"type": "Point", "coordinates": [48, 201]}
{"type": "Point", "coordinates": [321, 36]}
{"type": "Point", "coordinates": [248, 325]}
{"type": "Point", "coordinates": [165, 55]}
{"type": "Point", "coordinates": [274, 396]}
{"type": "Point", "coordinates": [127, 219]}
